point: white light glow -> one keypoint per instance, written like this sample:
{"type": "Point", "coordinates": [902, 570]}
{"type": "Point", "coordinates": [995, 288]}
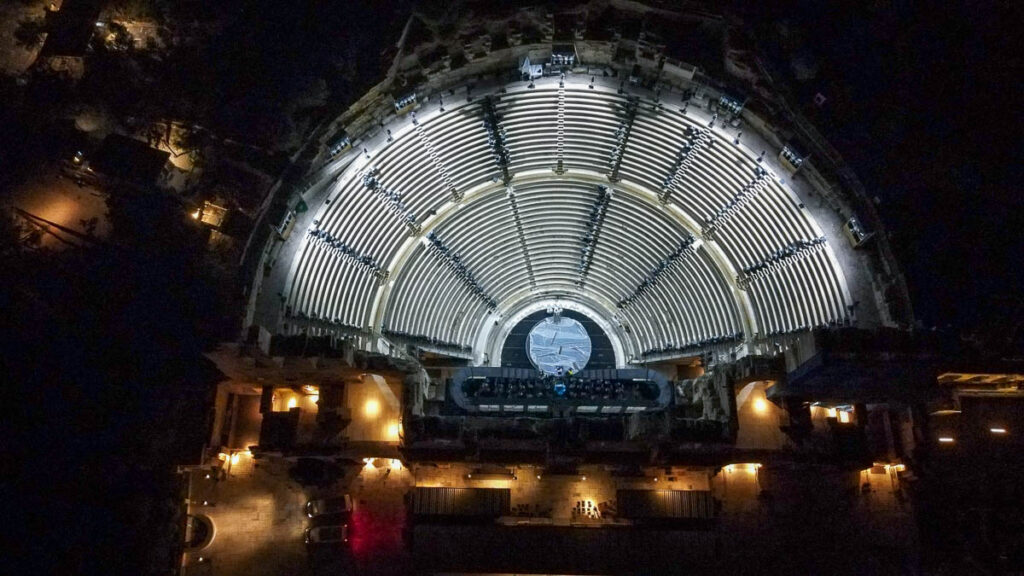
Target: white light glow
{"type": "Point", "coordinates": [760, 405]}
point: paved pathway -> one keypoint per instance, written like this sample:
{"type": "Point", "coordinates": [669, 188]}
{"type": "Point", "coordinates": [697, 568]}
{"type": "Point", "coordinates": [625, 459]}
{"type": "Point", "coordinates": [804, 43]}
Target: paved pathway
{"type": "Point", "coordinates": [59, 200]}
{"type": "Point", "coordinates": [258, 516]}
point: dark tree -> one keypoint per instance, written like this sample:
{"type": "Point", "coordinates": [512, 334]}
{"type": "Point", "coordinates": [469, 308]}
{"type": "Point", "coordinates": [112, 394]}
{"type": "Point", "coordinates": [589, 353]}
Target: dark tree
{"type": "Point", "coordinates": [29, 33]}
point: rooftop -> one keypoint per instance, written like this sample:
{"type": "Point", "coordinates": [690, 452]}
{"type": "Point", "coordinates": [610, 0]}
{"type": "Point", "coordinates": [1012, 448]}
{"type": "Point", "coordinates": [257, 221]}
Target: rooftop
{"type": "Point", "coordinates": [71, 28]}
{"type": "Point", "coordinates": [129, 159]}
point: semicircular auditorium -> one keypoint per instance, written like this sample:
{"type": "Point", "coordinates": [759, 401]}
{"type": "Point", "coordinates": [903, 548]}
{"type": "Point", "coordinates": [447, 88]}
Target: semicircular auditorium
{"type": "Point", "coordinates": [554, 241]}
{"type": "Point", "coordinates": [472, 211]}
{"type": "Point", "coordinates": [527, 286]}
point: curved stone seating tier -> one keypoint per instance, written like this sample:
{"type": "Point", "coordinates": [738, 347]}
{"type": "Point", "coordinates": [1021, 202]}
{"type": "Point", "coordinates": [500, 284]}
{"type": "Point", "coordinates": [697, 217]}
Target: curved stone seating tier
{"type": "Point", "coordinates": [693, 301]}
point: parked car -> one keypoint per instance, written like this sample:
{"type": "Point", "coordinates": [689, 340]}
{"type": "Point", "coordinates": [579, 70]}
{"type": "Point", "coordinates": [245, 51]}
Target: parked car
{"type": "Point", "coordinates": [327, 534]}
{"type": "Point", "coordinates": [334, 505]}
{"type": "Point", "coordinates": [336, 519]}
{"type": "Point", "coordinates": [855, 233]}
